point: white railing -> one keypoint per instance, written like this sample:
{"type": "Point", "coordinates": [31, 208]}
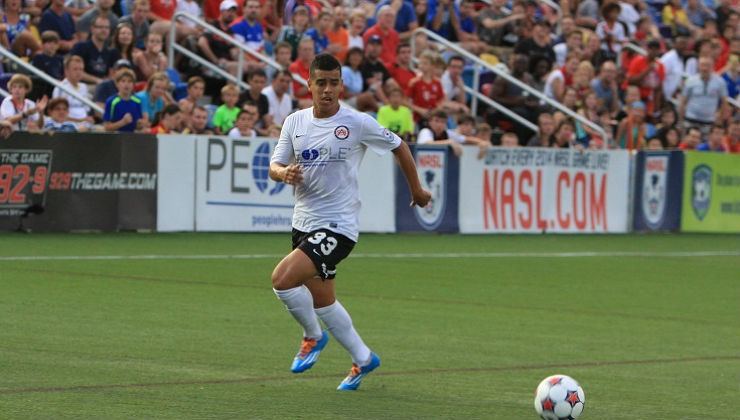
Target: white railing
{"type": "Point", "coordinates": [48, 79]}
{"type": "Point", "coordinates": [174, 46]}
{"type": "Point", "coordinates": [504, 110]}
{"type": "Point", "coordinates": [478, 64]}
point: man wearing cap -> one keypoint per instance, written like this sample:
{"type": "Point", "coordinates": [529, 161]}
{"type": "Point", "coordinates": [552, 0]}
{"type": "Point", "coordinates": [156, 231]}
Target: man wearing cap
{"type": "Point", "coordinates": [648, 73]}
{"type": "Point", "coordinates": [373, 70]}
{"type": "Point", "coordinates": [385, 32]}
{"type": "Point", "coordinates": [105, 90]}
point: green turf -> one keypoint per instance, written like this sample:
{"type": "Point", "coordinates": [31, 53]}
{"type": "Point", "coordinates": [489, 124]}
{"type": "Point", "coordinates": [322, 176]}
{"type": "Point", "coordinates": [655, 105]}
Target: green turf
{"type": "Point", "coordinates": [647, 337]}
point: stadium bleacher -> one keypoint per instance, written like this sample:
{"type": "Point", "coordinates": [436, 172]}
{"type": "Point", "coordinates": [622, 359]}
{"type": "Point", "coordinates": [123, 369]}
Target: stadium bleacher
{"type": "Point", "coordinates": [677, 57]}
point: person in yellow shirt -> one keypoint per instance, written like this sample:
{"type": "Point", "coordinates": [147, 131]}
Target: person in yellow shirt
{"type": "Point", "coordinates": [674, 15]}
{"type": "Point", "coordinates": [397, 117]}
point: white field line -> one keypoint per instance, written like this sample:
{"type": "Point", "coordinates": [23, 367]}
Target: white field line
{"type": "Point", "coordinates": [588, 254]}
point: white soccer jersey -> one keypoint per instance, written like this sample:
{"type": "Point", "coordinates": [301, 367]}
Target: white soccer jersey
{"type": "Point", "coordinates": [329, 151]}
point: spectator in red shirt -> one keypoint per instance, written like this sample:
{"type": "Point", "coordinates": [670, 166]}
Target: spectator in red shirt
{"type": "Point", "coordinates": [388, 35]}
{"type": "Point", "coordinates": [648, 73]}
{"type": "Point", "coordinates": [301, 67]}
{"type": "Point", "coordinates": [425, 91]}
{"type": "Point", "coordinates": [160, 14]}
{"type": "Point", "coordinates": [401, 70]}
{"type": "Point", "coordinates": [732, 140]}
{"type": "Point", "coordinates": [691, 140]}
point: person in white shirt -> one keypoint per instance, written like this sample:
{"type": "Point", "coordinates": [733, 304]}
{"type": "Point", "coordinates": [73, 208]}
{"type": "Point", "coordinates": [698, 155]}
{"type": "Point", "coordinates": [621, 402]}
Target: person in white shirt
{"type": "Point", "coordinates": [78, 111]}
{"type": "Point", "coordinates": [319, 152]}
{"type": "Point", "coordinates": [278, 97]}
{"type": "Point", "coordinates": [438, 133]}
{"type": "Point", "coordinates": [674, 62]}
{"type": "Point", "coordinates": [452, 81]}
{"type": "Point", "coordinates": [21, 112]}
{"type": "Point", "coordinates": [245, 120]}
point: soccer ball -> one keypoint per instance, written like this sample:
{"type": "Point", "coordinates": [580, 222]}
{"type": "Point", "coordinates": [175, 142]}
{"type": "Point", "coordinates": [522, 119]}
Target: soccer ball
{"type": "Point", "coordinates": [559, 397]}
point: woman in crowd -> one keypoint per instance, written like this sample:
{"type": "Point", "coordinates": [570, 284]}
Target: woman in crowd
{"type": "Point", "coordinates": [123, 41]}
{"type": "Point", "coordinates": [152, 59]}
{"type": "Point", "coordinates": [17, 31]}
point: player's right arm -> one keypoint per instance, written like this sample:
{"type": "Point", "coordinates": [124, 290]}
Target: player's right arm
{"type": "Point", "coordinates": [281, 168]}
{"type": "Point", "coordinates": [419, 196]}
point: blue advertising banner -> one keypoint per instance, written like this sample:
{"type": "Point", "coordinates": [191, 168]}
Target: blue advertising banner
{"type": "Point", "coordinates": [658, 191]}
{"type": "Point", "coordinates": [439, 173]}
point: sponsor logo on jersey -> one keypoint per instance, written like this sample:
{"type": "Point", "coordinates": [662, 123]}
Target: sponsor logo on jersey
{"type": "Point", "coordinates": [701, 190]}
{"type": "Point", "coordinates": [654, 189]}
{"type": "Point", "coordinates": [341, 132]}
{"type": "Point", "coordinates": [431, 166]}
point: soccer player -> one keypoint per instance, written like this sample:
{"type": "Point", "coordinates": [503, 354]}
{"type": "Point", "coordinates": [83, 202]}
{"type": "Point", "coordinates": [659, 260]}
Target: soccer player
{"type": "Point", "coordinates": [319, 152]}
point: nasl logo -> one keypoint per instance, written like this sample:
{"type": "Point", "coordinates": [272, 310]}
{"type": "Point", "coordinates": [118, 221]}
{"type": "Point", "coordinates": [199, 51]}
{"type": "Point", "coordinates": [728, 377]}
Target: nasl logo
{"type": "Point", "coordinates": [701, 190]}
{"type": "Point", "coordinates": [654, 190]}
{"type": "Point", "coordinates": [431, 167]}
{"type": "Point", "coordinates": [261, 170]}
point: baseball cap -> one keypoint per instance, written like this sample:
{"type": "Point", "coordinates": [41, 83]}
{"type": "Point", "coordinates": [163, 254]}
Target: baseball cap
{"type": "Point", "coordinates": [375, 39]}
{"type": "Point", "coordinates": [227, 4]}
{"type": "Point", "coordinates": [123, 63]}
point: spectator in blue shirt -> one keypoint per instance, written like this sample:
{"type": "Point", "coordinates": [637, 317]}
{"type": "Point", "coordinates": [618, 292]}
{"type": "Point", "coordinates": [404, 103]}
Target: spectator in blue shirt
{"type": "Point", "coordinates": [98, 58]}
{"type": "Point", "coordinates": [57, 19]}
{"type": "Point", "coordinates": [249, 30]}
{"type": "Point", "coordinates": [406, 19]}
{"type": "Point", "coordinates": [48, 60]}
{"type": "Point", "coordinates": [440, 17]}
{"type": "Point", "coordinates": [318, 33]}
{"type": "Point", "coordinates": [123, 111]}
{"type": "Point", "coordinates": [153, 98]}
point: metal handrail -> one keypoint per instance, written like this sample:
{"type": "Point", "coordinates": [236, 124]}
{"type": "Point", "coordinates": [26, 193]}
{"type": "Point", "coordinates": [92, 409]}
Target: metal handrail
{"type": "Point", "coordinates": [173, 45]}
{"type": "Point", "coordinates": [48, 79]}
{"type": "Point", "coordinates": [504, 110]}
{"type": "Point", "coordinates": [506, 76]}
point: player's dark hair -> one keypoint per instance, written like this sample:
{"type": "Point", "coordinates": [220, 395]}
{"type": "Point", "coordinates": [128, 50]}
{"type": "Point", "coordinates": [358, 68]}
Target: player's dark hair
{"type": "Point", "coordinates": [325, 62]}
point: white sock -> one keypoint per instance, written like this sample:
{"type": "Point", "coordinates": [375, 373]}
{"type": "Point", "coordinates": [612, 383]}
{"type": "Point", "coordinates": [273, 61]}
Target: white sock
{"type": "Point", "coordinates": [299, 303]}
{"type": "Point", "coordinates": [340, 326]}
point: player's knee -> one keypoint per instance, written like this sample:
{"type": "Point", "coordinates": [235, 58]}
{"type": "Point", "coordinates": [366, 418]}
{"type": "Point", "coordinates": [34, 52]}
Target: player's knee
{"type": "Point", "coordinates": [282, 281]}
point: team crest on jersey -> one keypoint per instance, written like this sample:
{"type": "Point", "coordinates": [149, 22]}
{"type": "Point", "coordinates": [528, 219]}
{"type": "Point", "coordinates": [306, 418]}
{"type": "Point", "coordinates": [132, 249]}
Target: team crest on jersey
{"type": "Point", "coordinates": [431, 166]}
{"type": "Point", "coordinates": [654, 190]}
{"type": "Point", "coordinates": [701, 190]}
{"type": "Point", "coordinates": [341, 132]}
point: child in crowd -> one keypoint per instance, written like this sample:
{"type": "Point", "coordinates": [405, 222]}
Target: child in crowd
{"type": "Point", "coordinates": [196, 89]}
{"type": "Point", "coordinates": [22, 113]}
{"type": "Point", "coordinates": [78, 111]}
{"type": "Point", "coordinates": [245, 123]}
{"type": "Point", "coordinates": [58, 112]}
{"type": "Point", "coordinates": [155, 97]}
{"type": "Point", "coordinates": [397, 117]}
{"type": "Point", "coordinates": [226, 114]}
{"type": "Point", "coordinates": [123, 111]}
{"type": "Point", "coordinates": [48, 60]}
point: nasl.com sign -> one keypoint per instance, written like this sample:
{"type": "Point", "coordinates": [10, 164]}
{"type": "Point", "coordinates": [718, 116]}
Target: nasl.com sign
{"type": "Point", "coordinates": [544, 190]}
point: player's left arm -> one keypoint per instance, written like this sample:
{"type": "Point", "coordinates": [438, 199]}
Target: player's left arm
{"type": "Point", "coordinates": [419, 196]}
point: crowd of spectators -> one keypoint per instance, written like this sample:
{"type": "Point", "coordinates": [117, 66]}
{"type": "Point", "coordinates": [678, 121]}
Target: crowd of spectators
{"type": "Point", "coordinates": [652, 74]}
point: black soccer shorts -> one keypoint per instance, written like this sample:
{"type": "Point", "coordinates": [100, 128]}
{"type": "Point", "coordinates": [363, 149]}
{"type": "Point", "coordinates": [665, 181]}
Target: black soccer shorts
{"type": "Point", "coordinates": [325, 248]}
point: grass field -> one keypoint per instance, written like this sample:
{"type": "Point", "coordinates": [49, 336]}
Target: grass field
{"type": "Point", "coordinates": [466, 327]}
